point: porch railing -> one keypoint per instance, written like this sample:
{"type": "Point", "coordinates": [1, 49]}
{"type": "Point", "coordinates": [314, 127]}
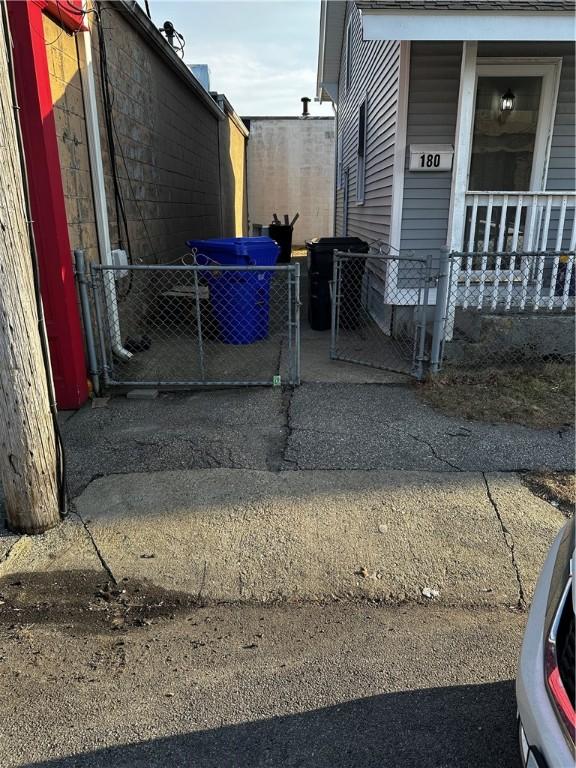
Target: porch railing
{"type": "Point", "coordinates": [519, 251]}
{"type": "Point", "coordinates": [509, 222]}
{"type": "Point", "coordinates": [517, 255]}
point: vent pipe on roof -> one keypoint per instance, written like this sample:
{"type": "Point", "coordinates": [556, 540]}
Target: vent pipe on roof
{"type": "Point", "coordinates": [305, 101]}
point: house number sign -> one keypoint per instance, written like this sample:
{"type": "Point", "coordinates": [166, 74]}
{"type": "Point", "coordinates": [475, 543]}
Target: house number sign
{"type": "Point", "coordinates": [431, 157]}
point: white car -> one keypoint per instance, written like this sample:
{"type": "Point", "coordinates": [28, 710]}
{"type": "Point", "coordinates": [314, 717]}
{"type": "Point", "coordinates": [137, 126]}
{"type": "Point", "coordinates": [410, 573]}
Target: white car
{"type": "Point", "coordinates": [546, 672]}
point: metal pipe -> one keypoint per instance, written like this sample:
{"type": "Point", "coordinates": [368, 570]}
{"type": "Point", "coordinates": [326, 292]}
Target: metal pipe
{"type": "Point", "coordinates": [201, 267]}
{"type": "Point", "coordinates": [98, 188]}
{"type": "Point", "coordinates": [80, 264]}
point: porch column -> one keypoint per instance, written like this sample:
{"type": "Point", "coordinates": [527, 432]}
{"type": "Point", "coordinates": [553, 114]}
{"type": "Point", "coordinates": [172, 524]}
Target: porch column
{"type": "Point", "coordinates": [461, 165]}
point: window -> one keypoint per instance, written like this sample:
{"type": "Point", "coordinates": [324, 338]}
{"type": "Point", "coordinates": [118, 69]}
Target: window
{"type": "Point", "coordinates": [361, 152]}
{"type": "Point", "coordinates": [339, 164]}
{"type": "Point", "coordinates": [348, 55]}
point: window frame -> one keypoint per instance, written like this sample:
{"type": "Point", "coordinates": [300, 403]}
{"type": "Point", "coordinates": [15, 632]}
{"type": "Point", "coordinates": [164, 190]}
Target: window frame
{"type": "Point", "coordinates": [362, 144]}
{"type": "Point", "coordinates": [340, 161]}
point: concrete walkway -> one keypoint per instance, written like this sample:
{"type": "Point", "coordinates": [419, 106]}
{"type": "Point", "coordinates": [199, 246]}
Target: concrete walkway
{"type": "Point", "coordinates": [327, 492]}
{"type": "Point", "coordinates": [231, 535]}
{"type": "Point", "coordinates": [317, 426]}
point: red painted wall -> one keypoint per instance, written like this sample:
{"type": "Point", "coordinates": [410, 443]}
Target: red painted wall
{"type": "Point", "coordinates": [47, 196]}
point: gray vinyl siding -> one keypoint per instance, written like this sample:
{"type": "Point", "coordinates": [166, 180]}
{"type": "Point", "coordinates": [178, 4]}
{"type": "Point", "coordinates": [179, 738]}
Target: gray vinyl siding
{"type": "Point", "coordinates": [374, 75]}
{"type": "Point", "coordinates": [432, 113]}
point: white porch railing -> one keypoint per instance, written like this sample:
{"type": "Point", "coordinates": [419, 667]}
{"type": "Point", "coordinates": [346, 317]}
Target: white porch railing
{"type": "Point", "coordinates": [520, 221]}
{"type": "Point", "coordinates": [519, 252]}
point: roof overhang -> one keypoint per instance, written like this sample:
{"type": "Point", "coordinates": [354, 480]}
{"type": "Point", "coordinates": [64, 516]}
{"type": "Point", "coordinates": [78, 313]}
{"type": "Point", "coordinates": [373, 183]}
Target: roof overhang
{"type": "Point", "coordinates": [332, 18]}
{"type": "Point", "coordinates": [436, 24]}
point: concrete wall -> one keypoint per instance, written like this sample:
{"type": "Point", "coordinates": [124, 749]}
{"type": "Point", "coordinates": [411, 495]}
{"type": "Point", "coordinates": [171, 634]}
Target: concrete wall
{"type": "Point", "coordinates": [61, 51]}
{"type": "Point", "coordinates": [167, 144]}
{"type": "Point", "coordinates": [233, 140]}
{"type": "Point", "coordinates": [290, 170]}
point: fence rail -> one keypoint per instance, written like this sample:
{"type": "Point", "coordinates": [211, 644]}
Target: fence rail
{"type": "Point", "coordinates": [194, 326]}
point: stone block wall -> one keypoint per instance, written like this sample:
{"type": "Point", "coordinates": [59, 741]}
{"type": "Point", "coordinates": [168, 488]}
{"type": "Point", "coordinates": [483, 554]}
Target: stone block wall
{"type": "Point", "coordinates": [166, 144]}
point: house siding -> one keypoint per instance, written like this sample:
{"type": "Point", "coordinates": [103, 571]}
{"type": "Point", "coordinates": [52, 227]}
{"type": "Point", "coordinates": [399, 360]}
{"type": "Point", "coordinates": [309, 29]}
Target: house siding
{"type": "Point", "coordinates": [432, 113]}
{"type": "Point", "coordinates": [374, 76]}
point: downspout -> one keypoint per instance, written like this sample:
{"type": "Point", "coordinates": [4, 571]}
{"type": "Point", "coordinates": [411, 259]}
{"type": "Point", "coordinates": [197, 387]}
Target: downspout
{"type": "Point", "coordinates": [337, 160]}
{"type": "Point", "coordinates": [99, 191]}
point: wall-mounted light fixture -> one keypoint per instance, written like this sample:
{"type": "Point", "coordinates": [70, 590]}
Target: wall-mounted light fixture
{"type": "Point", "coordinates": [507, 101]}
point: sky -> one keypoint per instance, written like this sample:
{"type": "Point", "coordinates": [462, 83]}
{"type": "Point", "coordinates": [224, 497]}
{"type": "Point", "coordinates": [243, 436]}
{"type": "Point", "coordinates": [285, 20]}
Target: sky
{"type": "Point", "coordinates": [262, 54]}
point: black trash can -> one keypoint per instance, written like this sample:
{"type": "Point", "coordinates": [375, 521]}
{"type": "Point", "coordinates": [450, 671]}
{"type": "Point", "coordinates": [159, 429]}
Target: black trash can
{"type": "Point", "coordinates": [320, 270]}
{"type": "Point", "coordinates": [282, 234]}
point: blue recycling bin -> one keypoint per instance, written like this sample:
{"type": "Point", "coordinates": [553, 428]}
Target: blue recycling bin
{"type": "Point", "coordinates": [240, 300]}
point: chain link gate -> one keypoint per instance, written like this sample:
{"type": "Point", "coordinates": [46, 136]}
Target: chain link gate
{"type": "Point", "coordinates": [194, 326]}
{"type": "Point", "coordinates": [380, 311]}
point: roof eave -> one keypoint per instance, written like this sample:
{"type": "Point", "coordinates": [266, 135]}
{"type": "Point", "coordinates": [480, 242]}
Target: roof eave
{"type": "Point", "coordinates": [332, 18]}
{"type": "Point", "coordinates": [450, 25]}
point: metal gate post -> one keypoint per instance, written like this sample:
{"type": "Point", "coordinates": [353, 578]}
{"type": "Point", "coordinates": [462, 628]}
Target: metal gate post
{"type": "Point", "coordinates": [334, 296]}
{"type": "Point", "coordinates": [441, 311]}
{"type": "Point", "coordinates": [420, 346]}
{"type": "Point", "coordinates": [291, 322]}
{"type": "Point", "coordinates": [199, 324]}
{"type": "Point", "coordinates": [297, 321]}
{"type": "Point", "coordinates": [106, 368]}
{"type": "Point", "coordinates": [83, 282]}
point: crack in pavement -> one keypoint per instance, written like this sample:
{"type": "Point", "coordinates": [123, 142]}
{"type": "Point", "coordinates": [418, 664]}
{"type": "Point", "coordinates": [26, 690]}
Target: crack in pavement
{"type": "Point", "coordinates": [5, 557]}
{"type": "Point", "coordinates": [288, 431]}
{"type": "Point", "coordinates": [434, 452]}
{"type": "Point", "coordinates": [99, 554]}
{"type": "Point", "coordinates": [509, 541]}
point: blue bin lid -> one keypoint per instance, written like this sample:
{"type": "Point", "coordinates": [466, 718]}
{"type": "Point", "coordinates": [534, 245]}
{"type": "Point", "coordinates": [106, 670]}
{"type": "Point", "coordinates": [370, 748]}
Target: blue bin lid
{"type": "Point", "coordinates": [257, 250]}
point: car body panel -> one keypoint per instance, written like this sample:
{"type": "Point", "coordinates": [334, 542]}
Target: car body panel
{"type": "Point", "coordinates": [537, 713]}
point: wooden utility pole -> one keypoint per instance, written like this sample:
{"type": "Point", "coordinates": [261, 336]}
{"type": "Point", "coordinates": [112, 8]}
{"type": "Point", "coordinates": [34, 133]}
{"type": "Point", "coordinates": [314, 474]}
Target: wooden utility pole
{"type": "Point", "coordinates": [28, 468]}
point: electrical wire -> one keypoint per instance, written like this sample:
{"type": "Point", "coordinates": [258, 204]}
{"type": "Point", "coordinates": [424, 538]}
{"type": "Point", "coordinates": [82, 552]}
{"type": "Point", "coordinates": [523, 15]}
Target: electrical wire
{"type": "Point", "coordinates": [63, 29]}
{"type": "Point", "coordinates": [61, 473]}
{"type": "Point", "coordinates": [182, 43]}
{"type": "Point", "coordinates": [114, 141]}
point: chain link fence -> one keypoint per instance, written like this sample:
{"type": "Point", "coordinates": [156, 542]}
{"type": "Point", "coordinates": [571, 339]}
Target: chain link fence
{"type": "Point", "coordinates": [380, 311]}
{"type": "Point", "coordinates": [193, 325]}
{"type": "Point", "coordinates": [509, 309]}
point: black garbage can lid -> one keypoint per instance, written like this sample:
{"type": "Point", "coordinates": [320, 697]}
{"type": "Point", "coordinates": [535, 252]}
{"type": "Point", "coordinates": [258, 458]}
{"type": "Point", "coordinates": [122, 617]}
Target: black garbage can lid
{"type": "Point", "coordinates": [337, 243]}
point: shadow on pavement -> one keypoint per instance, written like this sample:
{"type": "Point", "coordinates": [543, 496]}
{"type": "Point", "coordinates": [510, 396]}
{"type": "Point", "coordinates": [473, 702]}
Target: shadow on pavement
{"type": "Point", "coordinates": [449, 727]}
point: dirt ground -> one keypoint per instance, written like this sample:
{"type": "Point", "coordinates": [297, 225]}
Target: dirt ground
{"type": "Point", "coordinates": [558, 488]}
{"type": "Point", "coordinates": [537, 397]}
